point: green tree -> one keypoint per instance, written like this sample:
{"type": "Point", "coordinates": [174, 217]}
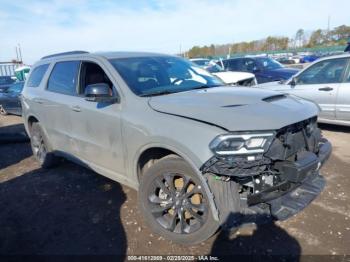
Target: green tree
{"type": "Point", "coordinates": [317, 38]}
{"type": "Point", "coordinates": [300, 38]}
{"type": "Point", "coordinates": [340, 32]}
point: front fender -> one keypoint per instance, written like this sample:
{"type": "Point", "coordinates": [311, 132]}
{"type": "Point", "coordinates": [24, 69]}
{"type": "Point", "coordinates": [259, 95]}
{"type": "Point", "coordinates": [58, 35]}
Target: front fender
{"type": "Point", "coordinates": [189, 160]}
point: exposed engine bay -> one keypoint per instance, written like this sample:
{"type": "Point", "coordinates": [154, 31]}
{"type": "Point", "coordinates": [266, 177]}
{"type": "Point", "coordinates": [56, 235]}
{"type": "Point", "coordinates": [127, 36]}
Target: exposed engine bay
{"type": "Point", "coordinates": [295, 154]}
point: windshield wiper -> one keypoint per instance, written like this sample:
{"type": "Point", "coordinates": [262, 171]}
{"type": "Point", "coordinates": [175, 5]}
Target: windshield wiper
{"type": "Point", "coordinates": [167, 92]}
{"type": "Point", "coordinates": [205, 86]}
{"type": "Point", "coordinates": [159, 93]}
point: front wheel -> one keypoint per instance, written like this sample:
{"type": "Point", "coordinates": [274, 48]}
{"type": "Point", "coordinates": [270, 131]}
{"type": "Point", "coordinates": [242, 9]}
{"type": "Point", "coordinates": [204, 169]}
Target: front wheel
{"type": "Point", "coordinates": [174, 202]}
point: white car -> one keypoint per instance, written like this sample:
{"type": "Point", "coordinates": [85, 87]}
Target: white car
{"type": "Point", "coordinates": [325, 82]}
{"type": "Point", "coordinates": [228, 77]}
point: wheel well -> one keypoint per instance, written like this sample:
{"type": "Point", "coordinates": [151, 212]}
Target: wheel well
{"type": "Point", "coordinates": [31, 120]}
{"type": "Point", "coordinates": [150, 156]}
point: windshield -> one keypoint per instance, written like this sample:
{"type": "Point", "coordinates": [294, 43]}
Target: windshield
{"type": "Point", "coordinates": [201, 62]}
{"type": "Point", "coordinates": [268, 63]}
{"type": "Point", "coordinates": [156, 75]}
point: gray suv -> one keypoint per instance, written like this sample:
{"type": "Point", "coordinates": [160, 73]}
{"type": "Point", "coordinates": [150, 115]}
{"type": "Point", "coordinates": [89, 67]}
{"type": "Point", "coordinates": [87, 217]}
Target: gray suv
{"type": "Point", "coordinates": [201, 155]}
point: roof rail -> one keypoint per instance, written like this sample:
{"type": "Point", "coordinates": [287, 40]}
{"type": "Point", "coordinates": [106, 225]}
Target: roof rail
{"type": "Point", "coordinates": [65, 53]}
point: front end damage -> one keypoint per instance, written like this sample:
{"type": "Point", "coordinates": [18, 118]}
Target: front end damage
{"type": "Point", "coordinates": [281, 181]}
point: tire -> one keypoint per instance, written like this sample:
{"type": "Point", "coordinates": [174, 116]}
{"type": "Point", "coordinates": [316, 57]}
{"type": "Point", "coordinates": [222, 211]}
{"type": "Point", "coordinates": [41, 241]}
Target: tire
{"type": "Point", "coordinates": [3, 112]}
{"type": "Point", "coordinates": [40, 147]}
{"type": "Point", "coordinates": [174, 203]}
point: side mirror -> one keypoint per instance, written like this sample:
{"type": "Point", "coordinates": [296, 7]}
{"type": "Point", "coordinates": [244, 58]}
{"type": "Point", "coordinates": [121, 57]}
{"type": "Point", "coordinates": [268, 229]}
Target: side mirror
{"type": "Point", "coordinates": [293, 82]}
{"type": "Point", "coordinates": [100, 93]}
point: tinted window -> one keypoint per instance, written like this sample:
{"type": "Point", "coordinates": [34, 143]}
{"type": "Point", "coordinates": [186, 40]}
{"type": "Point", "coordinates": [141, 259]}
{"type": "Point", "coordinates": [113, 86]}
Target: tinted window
{"type": "Point", "coordinates": [249, 65]}
{"type": "Point", "coordinates": [328, 71]}
{"type": "Point", "coordinates": [268, 64]}
{"type": "Point", "coordinates": [232, 65]}
{"type": "Point", "coordinates": [63, 78]}
{"type": "Point", "coordinates": [91, 74]}
{"type": "Point", "coordinates": [37, 75]}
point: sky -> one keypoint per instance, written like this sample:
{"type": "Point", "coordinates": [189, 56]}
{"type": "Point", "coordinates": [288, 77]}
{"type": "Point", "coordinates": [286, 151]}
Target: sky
{"type": "Point", "coordinates": [43, 27]}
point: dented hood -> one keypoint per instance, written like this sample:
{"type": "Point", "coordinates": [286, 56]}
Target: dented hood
{"type": "Point", "coordinates": [236, 109]}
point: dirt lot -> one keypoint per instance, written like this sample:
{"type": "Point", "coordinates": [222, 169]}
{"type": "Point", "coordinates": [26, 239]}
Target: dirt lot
{"type": "Point", "coordinates": [71, 210]}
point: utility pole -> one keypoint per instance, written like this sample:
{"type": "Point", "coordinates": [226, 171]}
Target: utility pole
{"type": "Point", "coordinates": [328, 23]}
{"type": "Point", "coordinates": [328, 28]}
{"type": "Point", "coordinates": [20, 52]}
{"type": "Point", "coordinates": [17, 58]}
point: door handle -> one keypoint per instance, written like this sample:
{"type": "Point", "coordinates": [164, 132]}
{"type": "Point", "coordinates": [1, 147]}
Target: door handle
{"type": "Point", "coordinates": [76, 108]}
{"type": "Point", "coordinates": [327, 89]}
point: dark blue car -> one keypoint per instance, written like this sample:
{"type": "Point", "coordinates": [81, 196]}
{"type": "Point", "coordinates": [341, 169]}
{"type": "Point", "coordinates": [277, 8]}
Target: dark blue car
{"type": "Point", "coordinates": [9, 100]}
{"type": "Point", "coordinates": [265, 69]}
{"type": "Point", "coordinates": [5, 83]}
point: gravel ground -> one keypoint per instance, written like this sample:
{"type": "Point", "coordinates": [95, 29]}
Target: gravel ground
{"type": "Point", "coordinates": [70, 210]}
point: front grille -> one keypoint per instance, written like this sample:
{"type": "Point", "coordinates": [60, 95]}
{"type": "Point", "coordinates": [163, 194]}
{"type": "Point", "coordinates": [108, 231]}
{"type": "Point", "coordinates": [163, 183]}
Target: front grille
{"type": "Point", "coordinates": [295, 139]}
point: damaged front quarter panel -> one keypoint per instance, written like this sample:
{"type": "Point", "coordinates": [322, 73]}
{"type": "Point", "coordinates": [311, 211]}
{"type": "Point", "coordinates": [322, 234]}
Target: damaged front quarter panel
{"type": "Point", "coordinates": [271, 179]}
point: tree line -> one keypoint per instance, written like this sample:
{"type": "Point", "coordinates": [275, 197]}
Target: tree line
{"type": "Point", "coordinates": [318, 38]}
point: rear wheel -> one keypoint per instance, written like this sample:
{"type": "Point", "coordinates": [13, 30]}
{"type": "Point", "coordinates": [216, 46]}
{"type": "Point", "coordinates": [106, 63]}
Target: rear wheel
{"type": "Point", "coordinates": [2, 111]}
{"type": "Point", "coordinates": [40, 147]}
{"type": "Point", "coordinates": [174, 203]}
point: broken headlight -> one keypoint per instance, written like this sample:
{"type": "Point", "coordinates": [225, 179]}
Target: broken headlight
{"type": "Point", "coordinates": [241, 144]}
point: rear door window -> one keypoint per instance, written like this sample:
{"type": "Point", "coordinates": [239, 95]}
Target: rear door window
{"type": "Point", "coordinates": [37, 75]}
{"type": "Point", "coordinates": [249, 65]}
{"type": "Point", "coordinates": [63, 78]}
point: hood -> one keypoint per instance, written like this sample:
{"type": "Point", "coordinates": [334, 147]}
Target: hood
{"type": "Point", "coordinates": [233, 77]}
{"type": "Point", "coordinates": [236, 109]}
{"type": "Point", "coordinates": [284, 72]}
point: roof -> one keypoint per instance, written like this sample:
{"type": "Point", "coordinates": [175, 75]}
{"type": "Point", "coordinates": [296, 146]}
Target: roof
{"type": "Point", "coordinates": [108, 55]}
{"type": "Point", "coordinates": [345, 55]}
{"type": "Point", "coordinates": [121, 54]}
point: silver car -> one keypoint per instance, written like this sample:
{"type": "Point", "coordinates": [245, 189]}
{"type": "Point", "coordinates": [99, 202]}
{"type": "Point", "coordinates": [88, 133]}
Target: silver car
{"type": "Point", "coordinates": [326, 82]}
{"type": "Point", "coordinates": [202, 156]}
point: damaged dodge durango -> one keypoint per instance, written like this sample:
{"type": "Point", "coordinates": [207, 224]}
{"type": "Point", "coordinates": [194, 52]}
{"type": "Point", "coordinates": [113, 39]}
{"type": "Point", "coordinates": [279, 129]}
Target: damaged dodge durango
{"type": "Point", "coordinates": [202, 155]}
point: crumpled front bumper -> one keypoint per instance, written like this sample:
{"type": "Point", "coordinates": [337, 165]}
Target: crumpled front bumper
{"type": "Point", "coordinates": [283, 204]}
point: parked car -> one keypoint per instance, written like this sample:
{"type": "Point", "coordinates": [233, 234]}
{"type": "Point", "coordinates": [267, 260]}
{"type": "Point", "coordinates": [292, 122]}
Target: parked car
{"type": "Point", "coordinates": [228, 77]}
{"type": "Point", "coordinates": [5, 82]}
{"type": "Point", "coordinates": [285, 60]}
{"type": "Point", "coordinates": [200, 154]}
{"type": "Point", "coordinates": [309, 58]}
{"type": "Point", "coordinates": [326, 82]}
{"type": "Point", "coordinates": [265, 69]}
{"type": "Point", "coordinates": [9, 100]}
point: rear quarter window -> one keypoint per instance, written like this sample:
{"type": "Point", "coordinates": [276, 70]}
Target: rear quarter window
{"type": "Point", "coordinates": [63, 78]}
{"type": "Point", "coordinates": [37, 75]}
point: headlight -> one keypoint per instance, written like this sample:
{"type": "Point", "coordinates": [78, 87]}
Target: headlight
{"type": "Point", "coordinates": [241, 144]}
